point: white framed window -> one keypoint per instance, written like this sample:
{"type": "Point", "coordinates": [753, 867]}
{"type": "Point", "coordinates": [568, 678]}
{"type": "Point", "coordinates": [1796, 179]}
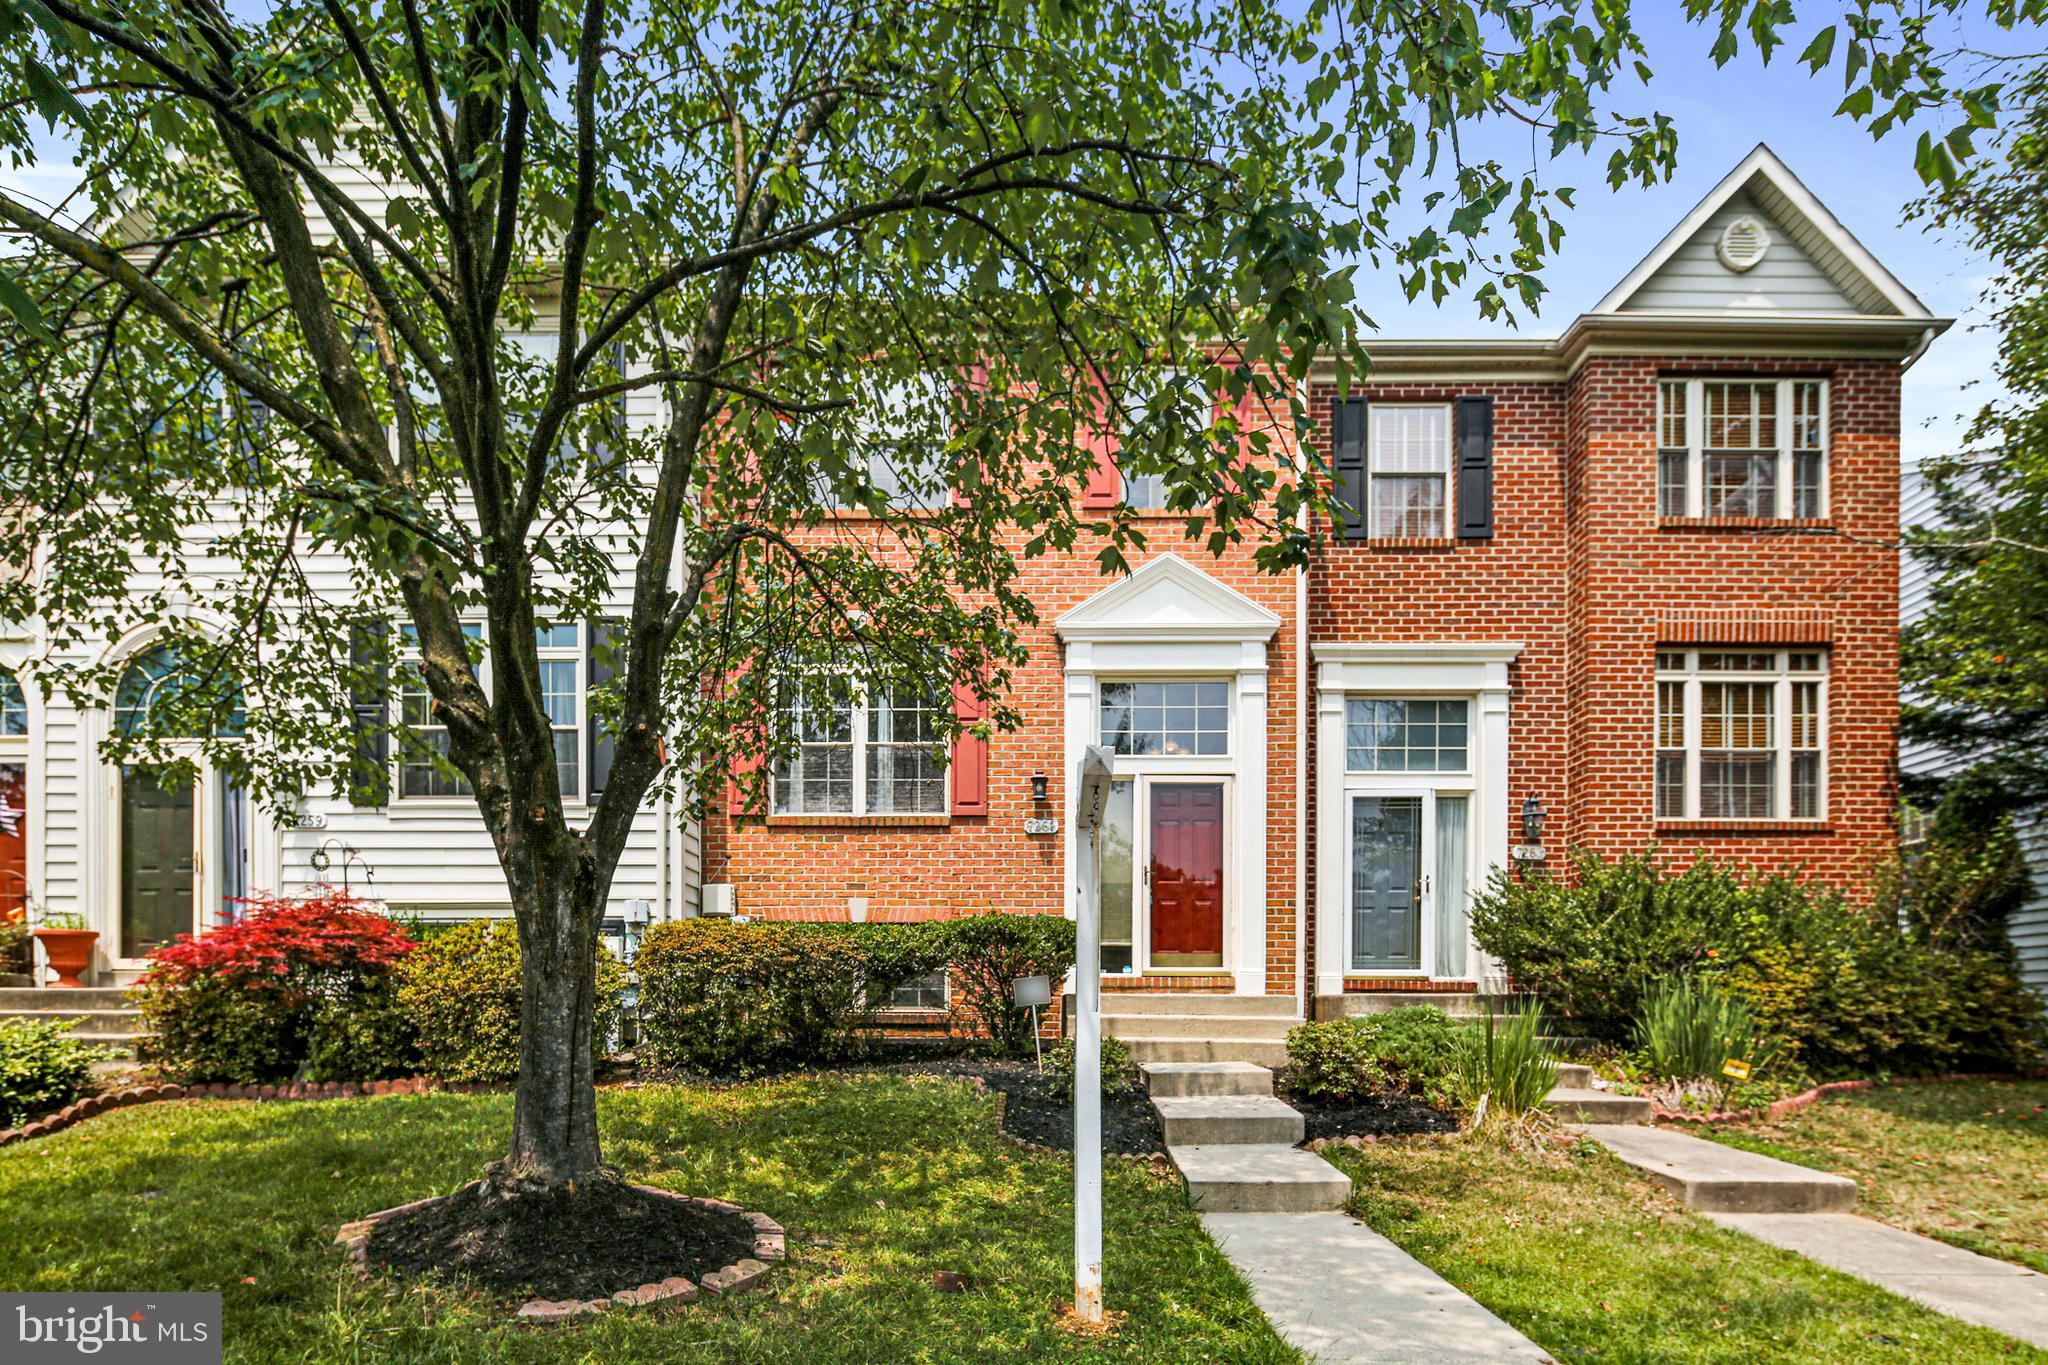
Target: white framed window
{"type": "Point", "coordinates": [1147, 492]}
{"type": "Point", "coordinates": [874, 754]}
{"type": "Point", "coordinates": [1741, 734]}
{"type": "Point", "coordinates": [13, 708]}
{"type": "Point", "coordinates": [1171, 718]}
{"type": "Point", "coordinates": [424, 771]}
{"type": "Point", "coordinates": [1400, 735]}
{"type": "Point", "coordinates": [1408, 462]}
{"type": "Point", "coordinates": [926, 992]}
{"type": "Point", "coordinates": [1742, 448]}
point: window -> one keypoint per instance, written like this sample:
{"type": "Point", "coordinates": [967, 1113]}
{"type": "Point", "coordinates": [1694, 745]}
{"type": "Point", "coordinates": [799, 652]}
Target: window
{"type": "Point", "coordinates": [1742, 447]}
{"type": "Point", "coordinates": [876, 755]}
{"type": "Point", "coordinates": [1394, 735]}
{"type": "Point", "coordinates": [1740, 734]}
{"type": "Point", "coordinates": [1147, 492]}
{"type": "Point", "coordinates": [560, 649]}
{"type": "Point", "coordinates": [13, 707]}
{"type": "Point", "coordinates": [926, 992]}
{"type": "Point", "coordinates": [158, 691]}
{"type": "Point", "coordinates": [900, 430]}
{"type": "Point", "coordinates": [1409, 464]}
{"type": "Point", "coordinates": [1166, 719]}
{"type": "Point", "coordinates": [423, 766]}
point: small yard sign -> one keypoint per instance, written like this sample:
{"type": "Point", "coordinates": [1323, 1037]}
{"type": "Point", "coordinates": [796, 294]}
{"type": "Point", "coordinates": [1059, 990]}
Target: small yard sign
{"type": "Point", "coordinates": [1735, 1069]}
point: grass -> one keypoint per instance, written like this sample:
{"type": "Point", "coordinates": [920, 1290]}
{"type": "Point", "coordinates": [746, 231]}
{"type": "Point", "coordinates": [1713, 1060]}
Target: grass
{"type": "Point", "coordinates": [881, 1181]}
{"type": "Point", "coordinates": [1965, 1162]}
{"type": "Point", "coordinates": [1596, 1265]}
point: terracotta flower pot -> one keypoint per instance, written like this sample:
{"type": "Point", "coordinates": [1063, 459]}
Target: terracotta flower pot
{"type": "Point", "coordinates": [69, 952]}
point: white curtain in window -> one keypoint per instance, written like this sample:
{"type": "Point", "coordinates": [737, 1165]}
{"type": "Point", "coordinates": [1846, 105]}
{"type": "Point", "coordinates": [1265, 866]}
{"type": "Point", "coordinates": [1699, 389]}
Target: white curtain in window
{"type": "Point", "coordinates": [1451, 891]}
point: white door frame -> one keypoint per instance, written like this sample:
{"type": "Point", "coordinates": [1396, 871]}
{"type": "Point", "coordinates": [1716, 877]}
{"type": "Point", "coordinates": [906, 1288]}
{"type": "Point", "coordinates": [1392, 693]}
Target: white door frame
{"type": "Point", "coordinates": [1477, 671]}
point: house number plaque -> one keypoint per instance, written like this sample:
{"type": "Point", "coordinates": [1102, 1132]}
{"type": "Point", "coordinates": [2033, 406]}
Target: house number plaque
{"type": "Point", "coordinates": [1040, 825]}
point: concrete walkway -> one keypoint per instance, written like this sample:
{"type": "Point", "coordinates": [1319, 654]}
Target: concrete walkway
{"type": "Point", "coordinates": [1340, 1292]}
{"type": "Point", "coordinates": [1996, 1294]}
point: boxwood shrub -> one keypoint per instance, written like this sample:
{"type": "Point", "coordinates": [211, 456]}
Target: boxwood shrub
{"type": "Point", "coordinates": [460, 993]}
{"type": "Point", "coordinates": [42, 1068]}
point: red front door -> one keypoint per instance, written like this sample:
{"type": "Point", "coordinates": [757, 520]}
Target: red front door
{"type": "Point", "coordinates": [1187, 874]}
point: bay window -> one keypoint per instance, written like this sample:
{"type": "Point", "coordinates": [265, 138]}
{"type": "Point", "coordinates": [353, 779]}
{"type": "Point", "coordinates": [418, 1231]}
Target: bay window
{"type": "Point", "coordinates": [1740, 734]}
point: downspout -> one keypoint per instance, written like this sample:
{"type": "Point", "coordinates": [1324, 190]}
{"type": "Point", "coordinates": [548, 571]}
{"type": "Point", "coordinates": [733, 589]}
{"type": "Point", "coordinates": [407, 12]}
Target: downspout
{"type": "Point", "coordinates": [1302, 823]}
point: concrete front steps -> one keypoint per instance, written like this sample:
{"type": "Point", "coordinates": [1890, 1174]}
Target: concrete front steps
{"type": "Point", "coordinates": [1234, 1143]}
{"type": "Point", "coordinates": [1574, 1100]}
{"type": "Point", "coordinates": [1200, 1028]}
{"type": "Point", "coordinates": [1708, 1177]}
{"type": "Point", "coordinates": [99, 1014]}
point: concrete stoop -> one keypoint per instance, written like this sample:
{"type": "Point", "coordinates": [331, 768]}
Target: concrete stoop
{"type": "Point", "coordinates": [1234, 1143]}
{"type": "Point", "coordinates": [1597, 1106]}
{"type": "Point", "coordinates": [98, 1014]}
{"type": "Point", "coordinates": [1261, 1052]}
{"type": "Point", "coordinates": [1711, 1178]}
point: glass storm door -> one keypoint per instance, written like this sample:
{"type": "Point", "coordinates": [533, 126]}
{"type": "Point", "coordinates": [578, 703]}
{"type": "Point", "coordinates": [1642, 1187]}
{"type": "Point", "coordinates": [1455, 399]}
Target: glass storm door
{"type": "Point", "coordinates": [1186, 874]}
{"type": "Point", "coordinates": [159, 866]}
{"type": "Point", "coordinates": [1387, 883]}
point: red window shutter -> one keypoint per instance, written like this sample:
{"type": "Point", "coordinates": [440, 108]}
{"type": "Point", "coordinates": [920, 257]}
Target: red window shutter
{"type": "Point", "coordinates": [1105, 486]}
{"type": "Point", "coordinates": [970, 754]}
{"type": "Point", "coordinates": [743, 764]}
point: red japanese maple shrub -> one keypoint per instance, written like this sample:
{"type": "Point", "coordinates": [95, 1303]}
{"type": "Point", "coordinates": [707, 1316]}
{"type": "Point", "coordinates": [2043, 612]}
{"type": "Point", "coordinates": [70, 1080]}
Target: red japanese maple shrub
{"type": "Point", "coordinates": [291, 987]}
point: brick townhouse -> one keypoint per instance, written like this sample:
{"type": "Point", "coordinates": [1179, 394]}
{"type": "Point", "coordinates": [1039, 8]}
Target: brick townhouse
{"type": "Point", "coordinates": [1634, 582]}
{"type": "Point", "coordinates": [1632, 585]}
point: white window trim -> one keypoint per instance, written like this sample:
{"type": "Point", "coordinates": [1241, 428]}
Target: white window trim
{"type": "Point", "coordinates": [408, 657]}
{"type": "Point", "coordinates": [859, 745]}
{"type": "Point", "coordinates": [1696, 435]}
{"type": "Point", "coordinates": [1782, 677]}
{"type": "Point", "coordinates": [1177, 762]}
{"type": "Point", "coordinates": [1373, 473]}
{"type": "Point", "coordinates": [945, 975]}
{"type": "Point", "coordinates": [1432, 777]}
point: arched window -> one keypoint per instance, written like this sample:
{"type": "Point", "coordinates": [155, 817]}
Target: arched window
{"type": "Point", "coordinates": [158, 687]}
{"type": "Point", "coordinates": [13, 707]}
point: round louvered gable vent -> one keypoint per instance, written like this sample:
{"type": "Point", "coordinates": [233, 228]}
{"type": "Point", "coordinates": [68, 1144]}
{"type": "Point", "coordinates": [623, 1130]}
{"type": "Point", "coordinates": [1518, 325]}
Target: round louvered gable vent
{"type": "Point", "coordinates": [1743, 243]}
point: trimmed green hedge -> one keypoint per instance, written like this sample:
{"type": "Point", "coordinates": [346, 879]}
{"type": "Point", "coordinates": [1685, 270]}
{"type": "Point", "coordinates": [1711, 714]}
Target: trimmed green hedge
{"type": "Point", "coordinates": [459, 991]}
{"type": "Point", "coordinates": [743, 999]}
{"type": "Point", "coordinates": [42, 1068]}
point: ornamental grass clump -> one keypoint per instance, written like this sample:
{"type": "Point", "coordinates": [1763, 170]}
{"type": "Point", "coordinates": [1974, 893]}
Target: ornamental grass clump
{"type": "Point", "coordinates": [258, 998]}
{"type": "Point", "coordinates": [1504, 1063]}
{"type": "Point", "coordinates": [1691, 1029]}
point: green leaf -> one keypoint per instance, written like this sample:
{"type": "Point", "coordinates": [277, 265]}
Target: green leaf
{"type": "Point", "coordinates": [24, 308]}
{"type": "Point", "coordinates": [1821, 50]}
{"type": "Point", "coordinates": [54, 101]}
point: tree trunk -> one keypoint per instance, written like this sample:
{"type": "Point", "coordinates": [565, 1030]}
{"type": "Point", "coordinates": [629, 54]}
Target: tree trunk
{"type": "Point", "coordinates": [554, 1115]}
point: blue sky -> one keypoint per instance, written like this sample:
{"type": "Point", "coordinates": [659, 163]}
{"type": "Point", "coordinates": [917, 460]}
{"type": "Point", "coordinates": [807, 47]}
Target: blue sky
{"type": "Point", "coordinates": [1722, 114]}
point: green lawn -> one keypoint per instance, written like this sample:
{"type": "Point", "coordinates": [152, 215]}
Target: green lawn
{"type": "Point", "coordinates": [1967, 1162]}
{"type": "Point", "coordinates": [880, 1181]}
{"type": "Point", "coordinates": [1596, 1265]}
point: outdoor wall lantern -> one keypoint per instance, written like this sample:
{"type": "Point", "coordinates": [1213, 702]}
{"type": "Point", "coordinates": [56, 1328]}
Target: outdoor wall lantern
{"type": "Point", "coordinates": [1039, 792]}
{"type": "Point", "coordinates": [1532, 820]}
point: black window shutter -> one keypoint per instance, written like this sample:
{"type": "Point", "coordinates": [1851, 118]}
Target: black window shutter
{"type": "Point", "coordinates": [601, 641]}
{"type": "Point", "coordinates": [369, 766]}
{"type": "Point", "coordinates": [1349, 464]}
{"type": "Point", "coordinates": [1475, 469]}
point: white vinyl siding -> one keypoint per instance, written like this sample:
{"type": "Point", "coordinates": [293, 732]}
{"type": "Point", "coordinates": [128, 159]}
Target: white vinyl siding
{"type": "Point", "coordinates": [1786, 280]}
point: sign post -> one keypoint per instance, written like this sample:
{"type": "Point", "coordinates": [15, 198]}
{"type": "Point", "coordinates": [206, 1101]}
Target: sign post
{"type": "Point", "coordinates": [1091, 789]}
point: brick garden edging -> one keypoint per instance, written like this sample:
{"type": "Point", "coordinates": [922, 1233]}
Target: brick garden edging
{"type": "Point", "coordinates": [80, 1110]}
{"type": "Point", "coordinates": [1792, 1104]}
{"type": "Point", "coordinates": [770, 1244]}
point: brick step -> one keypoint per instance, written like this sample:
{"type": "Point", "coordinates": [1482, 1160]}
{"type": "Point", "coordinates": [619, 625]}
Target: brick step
{"type": "Point", "coordinates": [1241, 1178]}
{"type": "Point", "coordinates": [1196, 1026]}
{"type": "Point", "coordinates": [1170, 1079]}
{"type": "Point", "coordinates": [1216, 1120]}
{"type": "Point", "coordinates": [86, 1023]}
{"type": "Point", "coordinates": [1711, 1178]}
{"type": "Point", "coordinates": [16, 999]}
{"type": "Point", "coordinates": [1597, 1106]}
{"type": "Point", "coordinates": [1267, 1052]}
{"type": "Point", "coordinates": [1127, 1003]}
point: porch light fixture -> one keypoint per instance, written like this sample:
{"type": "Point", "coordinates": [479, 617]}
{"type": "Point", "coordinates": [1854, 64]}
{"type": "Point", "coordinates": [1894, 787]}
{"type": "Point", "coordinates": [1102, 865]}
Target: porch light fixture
{"type": "Point", "coordinates": [1532, 819]}
{"type": "Point", "coordinates": [1039, 789]}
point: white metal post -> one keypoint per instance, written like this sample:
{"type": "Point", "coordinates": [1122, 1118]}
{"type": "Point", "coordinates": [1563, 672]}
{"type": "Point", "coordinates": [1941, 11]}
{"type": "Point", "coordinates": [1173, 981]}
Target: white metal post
{"type": "Point", "coordinates": [1092, 794]}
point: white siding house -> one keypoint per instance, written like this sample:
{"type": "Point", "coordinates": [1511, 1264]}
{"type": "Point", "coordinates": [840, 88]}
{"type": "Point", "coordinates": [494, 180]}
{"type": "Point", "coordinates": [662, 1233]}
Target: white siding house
{"type": "Point", "coordinates": [2028, 926]}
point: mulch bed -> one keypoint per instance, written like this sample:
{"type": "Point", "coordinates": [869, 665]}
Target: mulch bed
{"type": "Point", "coordinates": [1039, 1108]}
{"type": "Point", "coordinates": [603, 1239]}
{"type": "Point", "coordinates": [1386, 1115]}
